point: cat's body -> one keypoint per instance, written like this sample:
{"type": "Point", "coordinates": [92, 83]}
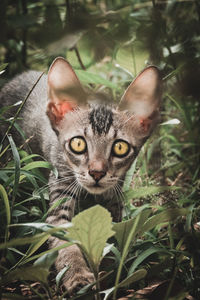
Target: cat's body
{"type": "Point", "coordinates": [92, 146]}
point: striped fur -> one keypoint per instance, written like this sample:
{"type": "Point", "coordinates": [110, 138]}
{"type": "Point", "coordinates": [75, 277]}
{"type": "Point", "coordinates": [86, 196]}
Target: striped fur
{"type": "Point", "coordinates": [96, 175]}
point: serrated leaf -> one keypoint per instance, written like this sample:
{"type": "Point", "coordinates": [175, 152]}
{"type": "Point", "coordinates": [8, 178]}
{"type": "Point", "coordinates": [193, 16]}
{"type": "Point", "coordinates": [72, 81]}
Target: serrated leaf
{"type": "Point", "coordinates": [27, 273]}
{"type": "Point", "coordinates": [92, 228]}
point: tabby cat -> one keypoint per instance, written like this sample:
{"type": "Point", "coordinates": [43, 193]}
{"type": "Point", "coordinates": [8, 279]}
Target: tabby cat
{"type": "Point", "coordinates": [91, 141]}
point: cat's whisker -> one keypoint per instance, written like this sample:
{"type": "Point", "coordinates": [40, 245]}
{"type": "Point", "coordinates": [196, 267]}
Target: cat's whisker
{"type": "Point", "coordinates": [50, 184]}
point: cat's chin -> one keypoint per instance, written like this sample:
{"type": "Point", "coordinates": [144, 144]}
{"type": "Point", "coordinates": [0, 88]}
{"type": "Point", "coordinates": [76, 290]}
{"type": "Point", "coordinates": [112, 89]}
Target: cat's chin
{"type": "Point", "coordinates": [96, 190]}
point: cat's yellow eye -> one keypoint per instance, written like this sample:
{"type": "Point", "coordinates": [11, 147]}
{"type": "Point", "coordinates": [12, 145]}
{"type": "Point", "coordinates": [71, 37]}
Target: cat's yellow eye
{"type": "Point", "coordinates": [78, 145]}
{"type": "Point", "coordinates": [120, 148]}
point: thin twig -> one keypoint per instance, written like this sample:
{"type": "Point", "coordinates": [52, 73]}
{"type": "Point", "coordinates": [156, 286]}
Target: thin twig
{"type": "Point", "coordinates": [79, 58]}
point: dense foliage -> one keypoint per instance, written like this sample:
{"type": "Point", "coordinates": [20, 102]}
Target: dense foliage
{"type": "Point", "coordinates": [155, 251]}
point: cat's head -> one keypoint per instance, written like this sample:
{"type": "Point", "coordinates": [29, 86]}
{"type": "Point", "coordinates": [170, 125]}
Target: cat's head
{"type": "Point", "coordinates": [100, 141]}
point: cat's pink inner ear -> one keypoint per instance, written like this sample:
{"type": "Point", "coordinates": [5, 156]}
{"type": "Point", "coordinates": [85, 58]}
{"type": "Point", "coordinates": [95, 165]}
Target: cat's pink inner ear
{"type": "Point", "coordinates": [64, 90]}
{"type": "Point", "coordinates": [142, 98]}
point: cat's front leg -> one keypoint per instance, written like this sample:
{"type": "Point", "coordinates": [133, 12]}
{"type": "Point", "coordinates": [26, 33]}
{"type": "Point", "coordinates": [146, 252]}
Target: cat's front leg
{"type": "Point", "coordinates": [78, 275]}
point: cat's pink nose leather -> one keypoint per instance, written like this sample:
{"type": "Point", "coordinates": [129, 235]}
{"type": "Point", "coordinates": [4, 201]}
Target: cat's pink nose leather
{"type": "Point", "coordinates": [97, 169]}
{"type": "Point", "coordinates": [97, 175]}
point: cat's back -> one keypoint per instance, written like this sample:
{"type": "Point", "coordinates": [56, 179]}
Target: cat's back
{"type": "Point", "coordinates": [18, 88]}
{"type": "Point", "coordinates": [32, 118]}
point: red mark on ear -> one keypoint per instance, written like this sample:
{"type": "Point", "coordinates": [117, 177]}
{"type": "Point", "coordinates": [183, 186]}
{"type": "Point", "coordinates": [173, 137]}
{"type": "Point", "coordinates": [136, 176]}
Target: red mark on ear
{"type": "Point", "coordinates": [145, 124]}
{"type": "Point", "coordinates": [56, 112]}
{"type": "Point", "coordinates": [65, 107]}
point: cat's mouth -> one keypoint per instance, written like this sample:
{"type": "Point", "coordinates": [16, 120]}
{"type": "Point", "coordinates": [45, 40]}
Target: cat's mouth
{"type": "Point", "coordinates": [96, 188]}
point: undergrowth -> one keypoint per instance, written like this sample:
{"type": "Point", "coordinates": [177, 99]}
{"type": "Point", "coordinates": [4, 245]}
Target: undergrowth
{"type": "Point", "coordinates": [154, 252]}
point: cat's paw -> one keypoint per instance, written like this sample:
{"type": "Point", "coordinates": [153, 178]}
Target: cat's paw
{"type": "Point", "coordinates": [77, 282]}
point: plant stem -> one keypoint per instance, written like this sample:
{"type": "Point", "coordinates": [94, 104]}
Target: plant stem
{"type": "Point", "coordinates": [171, 284]}
{"type": "Point", "coordinates": [79, 58]}
{"type": "Point", "coordinates": [124, 254]}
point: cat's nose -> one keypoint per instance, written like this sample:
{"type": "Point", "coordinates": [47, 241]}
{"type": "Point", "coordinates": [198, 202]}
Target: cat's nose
{"type": "Point", "coordinates": [97, 175]}
{"type": "Point", "coordinates": [97, 169]}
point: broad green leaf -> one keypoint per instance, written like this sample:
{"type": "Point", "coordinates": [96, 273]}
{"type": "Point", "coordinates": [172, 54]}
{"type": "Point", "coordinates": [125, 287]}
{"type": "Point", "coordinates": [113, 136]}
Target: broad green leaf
{"type": "Point", "coordinates": [27, 273]}
{"type": "Point", "coordinates": [92, 228]}
{"type": "Point", "coordinates": [139, 274]}
{"type": "Point", "coordinates": [147, 191]}
{"type": "Point", "coordinates": [167, 215]}
{"type": "Point", "coordinates": [123, 229]}
{"type": "Point", "coordinates": [130, 238]}
{"type": "Point", "coordinates": [46, 260]}
{"type": "Point", "coordinates": [88, 77]}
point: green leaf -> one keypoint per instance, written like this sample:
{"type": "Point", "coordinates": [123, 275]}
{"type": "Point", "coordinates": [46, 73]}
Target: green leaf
{"type": "Point", "coordinates": [88, 77]}
{"type": "Point", "coordinates": [138, 275]}
{"type": "Point", "coordinates": [143, 256]}
{"type": "Point", "coordinates": [129, 176]}
{"type": "Point", "coordinates": [132, 233]}
{"type": "Point", "coordinates": [46, 260]}
{"type": "Point", "coordinates": [123, 229]}
{"type": "Point", "coordinates": [38, 164]}
{"type": "Point", "coordinates": [60, 275]}
{"type": "Point", "coordinates": [23, 241]}
{"type": "Point", "coordinates": [26, 273]}
{"type": "Point", "coordinates": [2, 68]}
{"type": "Point", "coordinates": [167, 215]}
{"type": "Point", "coordinates": [91, 229]}
{"type": "Point", "coordinates": [17, 166]}
{"type": "Point", "coordinates": [4, 197]}
{"type": "Point", "coordinates": [148, 191]}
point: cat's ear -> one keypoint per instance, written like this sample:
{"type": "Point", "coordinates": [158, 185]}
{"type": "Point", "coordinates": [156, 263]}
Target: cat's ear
{"type": "Point", "coordinates": [64, 90]}
{"type": "Point", "coordinates": [143, 97]}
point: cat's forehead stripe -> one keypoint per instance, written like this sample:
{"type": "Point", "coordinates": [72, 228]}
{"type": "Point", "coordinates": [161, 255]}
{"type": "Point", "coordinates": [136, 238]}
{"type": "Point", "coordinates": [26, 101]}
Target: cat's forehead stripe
{"type": "Point", "coordinates": [101, 119]}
